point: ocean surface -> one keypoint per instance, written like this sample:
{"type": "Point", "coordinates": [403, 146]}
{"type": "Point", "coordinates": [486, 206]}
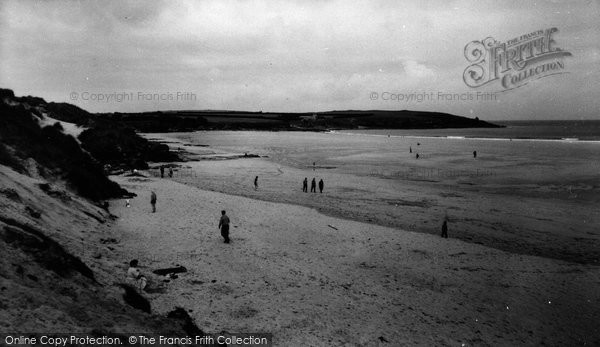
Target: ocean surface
{"type": "Point", "coordinates": [581, 130]}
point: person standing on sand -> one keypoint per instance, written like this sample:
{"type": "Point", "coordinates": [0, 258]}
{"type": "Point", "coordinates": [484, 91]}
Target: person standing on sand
{"type": "Point", "coordinates": [170, 172]}
{"type": "Point", "coordinates": [305, 185]}
{"type": "Point", "coordinates": [224, 226]}
{"type": "Point", "coordinates": [445, 229]}
{"type": "Point", "coordinates": [255, 182]}
{"type": "Point", "coordinates": [313, 186]}
{"type": "Point", "coordinates": [474, 154]}
{"type": "Point", "coordinates": [162, 171]}
{"type": "Point", "coordinates": [410, 149]}
{"type": "Point", "coordinates": [153, 201]}
{"type": "Point", "coordinates": [321, 184]}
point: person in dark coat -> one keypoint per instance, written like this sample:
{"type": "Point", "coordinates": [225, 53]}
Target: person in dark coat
{"type": "Point", "coordinates": [445, 229]}
{"type": "Point", "coordinates": [305, 185]}
{"type": "Point", "coordinates": [313, 186]}
{"type": "Point", "coordinates": [474, 154]}
{"type": "Point", "coordinates": [224, 226]}
{"type": "Point", "coordinates": [162, 172]}
{"type": "Point", "coordinates": [321, 184]}
{"type": "Point", "coordinates": [153, 201]}
{"type": "Point", "coordinates": [256, 182]}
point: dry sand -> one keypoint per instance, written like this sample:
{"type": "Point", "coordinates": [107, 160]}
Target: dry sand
{"type": "Point", "coordinates": [289, 273]}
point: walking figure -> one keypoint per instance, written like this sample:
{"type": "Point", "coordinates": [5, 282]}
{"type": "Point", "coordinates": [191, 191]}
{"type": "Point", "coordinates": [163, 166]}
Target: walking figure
{"type": "Point", "coordinates": [153, 201]}
{"type": "Point", "coordinates": [417, 156]}
{"type": "Point", "coordinates": [255, 182]}
{"type": "Point", "coordinates": [170, 172]}
{"type": "Point", "coordinates": [321, 184]}
{"type": "Point", "coordinates": [313, 186]}
{"type": "Point", "coordinates": [224, 226]}
{"type": "Point", "coordinates": [305, 185]}
{"type": "Point", "coordinates": [474, 154]}
{"type": "Point", "coordinates": [410, 149]}
{"type": "Point", "coordinates": [445, 229]}
{"type": "Point", "coordinates": [162, 171]}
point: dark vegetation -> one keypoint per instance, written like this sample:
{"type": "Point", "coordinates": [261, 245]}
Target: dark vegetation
{"type": "Point", "coordinates": [58, 155]}
{"type": "Point", "coordinates": [118, 145]}
{"type": "Point", "coordinates": [111, 145]}
{"type": "Point", "coordinates": [236, 120]}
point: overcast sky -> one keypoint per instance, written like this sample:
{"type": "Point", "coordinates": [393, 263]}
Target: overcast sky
{"type": "Point", "coordinates": [292, 55]}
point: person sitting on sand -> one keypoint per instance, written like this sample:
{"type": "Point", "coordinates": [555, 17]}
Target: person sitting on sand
{"type": "Point", "coordinates": [153, 201]}
{"type": "Point", "coordinates": [134, 275]}
{"type": "Point", "coordinates": [305, 185]}
{"type": "Point", "coordinates": [313, 186]}
{"type": "Point", "coordinates": [224, 226]}
{"type": "Point", "coordinates": [321, 184]}
{"type": "Point", "coordinates": [445, 229]}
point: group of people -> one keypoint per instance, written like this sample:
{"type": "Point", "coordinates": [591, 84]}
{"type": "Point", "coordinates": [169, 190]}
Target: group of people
{"type": "Point", "coordinates": [162, 172]}
{"type": "Point", "coordinates": [313, 185]}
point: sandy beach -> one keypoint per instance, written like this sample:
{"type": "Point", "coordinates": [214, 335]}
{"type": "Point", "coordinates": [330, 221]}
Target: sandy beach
{"type": "Point", "coordinates": [534, 198]}
{"type": "Point", "coordinates": [312, 279]}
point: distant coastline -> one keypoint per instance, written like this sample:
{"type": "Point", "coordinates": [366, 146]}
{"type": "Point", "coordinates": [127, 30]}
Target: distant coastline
{"type": "Point", "coordinates": [175, 121]}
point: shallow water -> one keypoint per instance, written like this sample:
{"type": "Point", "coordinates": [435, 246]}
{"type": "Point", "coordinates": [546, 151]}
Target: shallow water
{"type": "Point", "coordinates": [531, 197]}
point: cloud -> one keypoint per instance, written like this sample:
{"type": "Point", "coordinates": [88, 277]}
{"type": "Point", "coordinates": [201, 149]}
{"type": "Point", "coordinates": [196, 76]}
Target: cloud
{"type": "Point", "coordinates": [280, 56]}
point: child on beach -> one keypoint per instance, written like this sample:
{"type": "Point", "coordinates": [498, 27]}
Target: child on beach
{"type": "Point", "coordinates": [134, 275]}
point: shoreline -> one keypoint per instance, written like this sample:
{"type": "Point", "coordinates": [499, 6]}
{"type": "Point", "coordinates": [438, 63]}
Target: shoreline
{"type": "Point", "coordinates": [287, 272]}
{"type": "Point", "coordinates": [423, 198]}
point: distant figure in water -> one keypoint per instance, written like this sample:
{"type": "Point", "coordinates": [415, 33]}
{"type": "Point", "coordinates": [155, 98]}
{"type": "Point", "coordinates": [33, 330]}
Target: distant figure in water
{"type": "Point", "coordinates": [418, 144]}
{"type": "Point", "coordinates": [224, 226]}
{"type": "Point", "coordinates": [417, 156]}
{"type": "Point", "coordinates": [313, 186]}
{"type": "Point", "coordinates": [255, 182]}
{"type": "Point", "coordinates": [321, 184]}
{"type": "Point", "coordinates": [305, 185]}
{"type": "Point", "coordinates": [153, 201]}
{"type": "Point", "coordinates": [474, 154]}
{"type": "Point", "coordinates": [314, 166]}
{"type": "Point", "coordinates": [162, 171]}
{"type": "Point", "coordinates": [170, 172]}
{"type": "Point", "coordinates": [134, 275]}
{"type": "Point", "coordinates": [410, 149]}
{"type": "Point", "coordinates": [445, 229]}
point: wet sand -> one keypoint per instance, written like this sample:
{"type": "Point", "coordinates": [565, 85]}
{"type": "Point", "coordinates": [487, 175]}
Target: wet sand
{"type": "Point", "coordinates": [534, 198]}
{"type": "Point", "coordinates": [312, 279]}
